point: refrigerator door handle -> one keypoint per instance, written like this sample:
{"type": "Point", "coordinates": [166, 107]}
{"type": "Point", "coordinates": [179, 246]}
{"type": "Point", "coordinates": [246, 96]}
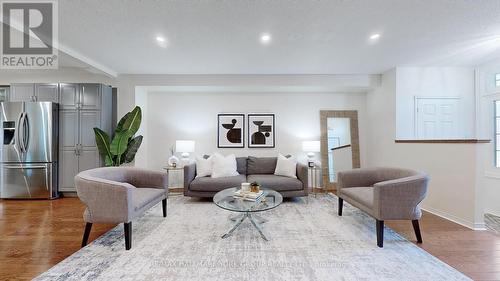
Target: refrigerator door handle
{"type": "Point", "coordinates": [23, 167]}
{"type": "Point", "coordinates": [26, 133]}
{"type": "Point", "coordinates": [19, 134]}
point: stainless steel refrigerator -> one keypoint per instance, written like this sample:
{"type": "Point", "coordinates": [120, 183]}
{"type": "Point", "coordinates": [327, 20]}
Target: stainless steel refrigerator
{"type": "Point", "coordinates": [29, 137]}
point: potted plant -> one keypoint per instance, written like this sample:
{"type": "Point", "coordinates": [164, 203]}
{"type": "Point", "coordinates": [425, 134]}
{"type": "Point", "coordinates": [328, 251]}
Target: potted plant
{"type": "Point", "coordinates": [124, 145]}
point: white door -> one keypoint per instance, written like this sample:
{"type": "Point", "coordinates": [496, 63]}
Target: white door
{"type": "Point", "coordinates": [437, 118]}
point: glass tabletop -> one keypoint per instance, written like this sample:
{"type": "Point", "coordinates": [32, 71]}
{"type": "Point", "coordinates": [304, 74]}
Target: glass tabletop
{"type": "Point", "coordinates": [225, 200]}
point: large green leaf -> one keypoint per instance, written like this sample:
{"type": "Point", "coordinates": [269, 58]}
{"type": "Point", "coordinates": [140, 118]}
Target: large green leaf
{"type": "Point", "coordinates": [133, 121]}
{"type": "Point", "coordinates": [119, 126]}
{"type": "Point", "coordinates": [108, 161]}
{"type": "Point", "coordinates": [119, 143]}
{"type": "Point", "coordinates": [133, 146]}
{"type": "Point", "coordinates": [102, 141]}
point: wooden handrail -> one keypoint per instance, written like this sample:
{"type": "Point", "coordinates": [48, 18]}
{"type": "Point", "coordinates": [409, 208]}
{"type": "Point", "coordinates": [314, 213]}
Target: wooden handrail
{"type": "Point", "coordinates": [340, 147]}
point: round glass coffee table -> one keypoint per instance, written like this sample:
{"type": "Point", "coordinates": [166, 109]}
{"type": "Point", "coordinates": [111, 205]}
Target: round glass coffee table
{"type": "Point", "coordinates": [247, 209]}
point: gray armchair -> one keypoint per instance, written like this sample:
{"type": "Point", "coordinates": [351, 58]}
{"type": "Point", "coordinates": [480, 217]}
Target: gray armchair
{"type": "Point", "coordinates": [385, 194]}
{"type": "Point", "coordinates": [119, 195]}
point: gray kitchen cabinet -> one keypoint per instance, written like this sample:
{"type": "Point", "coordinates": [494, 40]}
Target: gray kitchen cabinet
{"type": "Point", "coordinates": [88, 159]}
{"type": "Point", "coordinates": [35, 92]}
{"type": "Point", "coordinates": [68, 165]}
{"type": "Point", "coordinates": [83, 107]}
{"type": "Point", "coordinates": [90, 96]}
{"type": "Point", "coordinates": [47, 92]}
{"type": "Point", "coordinates": [68, 129]}
{"type": "Point", "coordinates": [22, 92]}
{"type": "Point", "coordinates": [4, 93]}
{"type": "Point", "coordinates": [69, 96]}
{"type": "Point", "coordinates": [89, 120]}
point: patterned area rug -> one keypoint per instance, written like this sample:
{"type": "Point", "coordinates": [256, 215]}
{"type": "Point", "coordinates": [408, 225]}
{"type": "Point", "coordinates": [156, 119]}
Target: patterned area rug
{"type": "Point", "coordinates": [492, 223]}
{"type": "Point", "coordinates": [308, 241]}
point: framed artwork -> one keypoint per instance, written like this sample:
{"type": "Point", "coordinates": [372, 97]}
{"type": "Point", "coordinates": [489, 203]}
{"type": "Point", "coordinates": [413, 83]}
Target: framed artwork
{"type": "Point", "coordinates": [230, 131]}
{"type": "Point", "coordinates": [261, 131]}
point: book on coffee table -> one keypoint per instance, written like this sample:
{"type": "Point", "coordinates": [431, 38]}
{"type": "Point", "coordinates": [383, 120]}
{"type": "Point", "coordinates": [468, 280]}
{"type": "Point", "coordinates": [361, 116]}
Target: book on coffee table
{"type": "Point", "coordinates": [247, 195]}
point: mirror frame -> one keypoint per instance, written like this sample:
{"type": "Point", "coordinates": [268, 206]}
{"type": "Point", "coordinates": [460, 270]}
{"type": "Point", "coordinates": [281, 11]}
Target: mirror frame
{"type": "Point", "coordinates": [353, 118]}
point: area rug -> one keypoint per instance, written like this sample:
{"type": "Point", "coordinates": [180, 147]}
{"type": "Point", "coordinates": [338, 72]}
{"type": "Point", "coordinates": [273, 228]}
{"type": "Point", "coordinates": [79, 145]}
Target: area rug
{"type": "Point", "coordinates": [308, 241]}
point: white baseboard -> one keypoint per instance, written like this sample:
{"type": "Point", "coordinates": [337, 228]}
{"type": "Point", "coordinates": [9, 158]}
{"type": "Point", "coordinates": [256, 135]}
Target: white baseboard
{"type": "Point", "coordinates": [455, 219]}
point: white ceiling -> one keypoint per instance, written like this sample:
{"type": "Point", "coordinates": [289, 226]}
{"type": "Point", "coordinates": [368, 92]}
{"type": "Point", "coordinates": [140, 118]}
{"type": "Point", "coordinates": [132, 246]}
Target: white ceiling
{"type": "Point", "coordinates": [308, 37]}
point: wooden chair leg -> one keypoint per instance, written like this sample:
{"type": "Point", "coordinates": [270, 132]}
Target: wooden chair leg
{"type": "Point", "coordinates": [86, 234]}
{"type": "Point", "coordinates": [341, 205]}
{"type": "Point", "coordinates": [164, 206]}
{"type": "Point", "coordinates": [416, 228]}
{"type": "Point", "coordinates": [380, 233]}
{"type": "Point", "coordinates": [128, 235]}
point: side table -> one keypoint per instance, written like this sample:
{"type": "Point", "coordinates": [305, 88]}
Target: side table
{"type": "Point", "coordinates": [175, 179]}
{"type": "Point", "coordinates": [314, 175]}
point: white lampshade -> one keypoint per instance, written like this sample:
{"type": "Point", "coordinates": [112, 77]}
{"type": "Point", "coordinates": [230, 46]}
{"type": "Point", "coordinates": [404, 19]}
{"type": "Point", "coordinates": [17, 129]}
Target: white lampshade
{"type": "Point", "coordinates": [311, 146]}
{"type": "Point", "coordinates": [184, 146]}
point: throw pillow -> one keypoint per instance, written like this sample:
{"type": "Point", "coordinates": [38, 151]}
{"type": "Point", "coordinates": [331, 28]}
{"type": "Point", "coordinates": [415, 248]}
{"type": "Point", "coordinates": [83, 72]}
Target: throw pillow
{"type": "Point", "coordinates": [286, 167]}
{"type": "Point", "coordinates": [203, 166]}
{"type": "Point", "coordinates": [224, 166]}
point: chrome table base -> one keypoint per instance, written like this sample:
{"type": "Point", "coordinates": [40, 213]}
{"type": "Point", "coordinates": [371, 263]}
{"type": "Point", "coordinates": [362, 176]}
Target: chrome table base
{"type": "Point", "coordinates": [256, 221]}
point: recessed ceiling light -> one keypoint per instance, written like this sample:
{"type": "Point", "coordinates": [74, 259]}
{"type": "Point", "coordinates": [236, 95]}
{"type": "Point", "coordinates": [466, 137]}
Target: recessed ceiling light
{"type": "Point", "coordinates": [375, 36]}
{"type": "Point", "coordinates": [265, 38]}
{"type": "Point", "coordinates": [162, 41]}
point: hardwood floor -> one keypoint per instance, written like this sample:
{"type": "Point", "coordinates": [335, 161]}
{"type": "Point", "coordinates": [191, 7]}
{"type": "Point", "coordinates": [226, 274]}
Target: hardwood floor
{"type": "Point", "coordinates": [35, 235]}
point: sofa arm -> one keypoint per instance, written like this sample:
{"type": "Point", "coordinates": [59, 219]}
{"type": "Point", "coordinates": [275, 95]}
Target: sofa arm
{"type": "Point", "coordinates": [106, 201]}
{"type": "Point", "coordinates": [146, 178]}
{"type": "Point", "coordinates": [189, 175]}
{"type": "Point", "coordinates": [303, 175]}
{"type": "Point", "coordinates": [399, 198]}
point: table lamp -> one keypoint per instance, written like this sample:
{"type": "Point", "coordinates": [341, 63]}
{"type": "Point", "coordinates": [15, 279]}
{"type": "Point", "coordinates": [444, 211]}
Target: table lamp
{"type": "Point", "coordinates": [184, 146]}
{"type": "Point", "coordinates": [311, 147]}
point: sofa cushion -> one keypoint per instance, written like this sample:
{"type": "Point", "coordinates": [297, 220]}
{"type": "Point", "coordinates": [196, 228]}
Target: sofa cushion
{"type": "Point", "coordinates": [216, 184]}
{"type": "Point", "coordinates": [362, 195]}
{"type": "Point", "coordinates": [278, 183]}
{"type": "Point", "coordinates": [144, 196]}
{"type": "Point", "coordinates": [241, 165]}
{"type": "Point", "coordinates": [261, 165]}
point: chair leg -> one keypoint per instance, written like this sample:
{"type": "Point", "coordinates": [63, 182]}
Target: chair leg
{"type": "Point", "coordinates": [128, 235]}
{"type": "Point", "coordinates": [416, 227]}
{"type": "Point", "coordinates": [164, 206]}
{"type": "Point", "coordinates": [380, 233]}
{"type": "Point", "coordinates": [86, 234]}
{"type": "Point", "coordinates": [341, 205]}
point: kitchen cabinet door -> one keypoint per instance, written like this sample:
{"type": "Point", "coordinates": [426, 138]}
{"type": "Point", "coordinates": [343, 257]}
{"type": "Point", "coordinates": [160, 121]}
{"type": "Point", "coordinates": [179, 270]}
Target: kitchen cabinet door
{"type": "Point", "coordinates": [68, 96]}
{"type": "Point", "coordinates": [68, 168]}
{"type": "Point", "coordinates": [22, 92]}
{"type": "Point", "coordinates": [47, 92]}
{"type": "Point", "coordinates": [68, 129]}
{"type": "Point", "coordinates": [90, 96]}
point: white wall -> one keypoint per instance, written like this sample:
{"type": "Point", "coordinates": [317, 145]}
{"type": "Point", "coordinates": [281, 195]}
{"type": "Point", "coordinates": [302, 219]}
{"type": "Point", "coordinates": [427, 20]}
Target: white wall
{"type": "Point", "coordinates": [128, 84]}
{"type": "Point", "coordinates": [451, 167]}
{"type": "Point", "coordinates": [187, 115]}
{"type": "Point", "coordinates": [414, 82]}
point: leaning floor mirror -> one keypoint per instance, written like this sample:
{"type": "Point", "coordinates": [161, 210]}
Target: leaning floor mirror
{"type": "Point", "coordinates": [339, 144]}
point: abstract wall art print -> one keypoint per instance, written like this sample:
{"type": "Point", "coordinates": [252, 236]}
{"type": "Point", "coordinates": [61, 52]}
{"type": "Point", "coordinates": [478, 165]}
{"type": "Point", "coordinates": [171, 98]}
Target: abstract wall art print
{"type": "Point", "coordinates": [230, 131]}
{"type": "Point", "coordinates": [261, 131]}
